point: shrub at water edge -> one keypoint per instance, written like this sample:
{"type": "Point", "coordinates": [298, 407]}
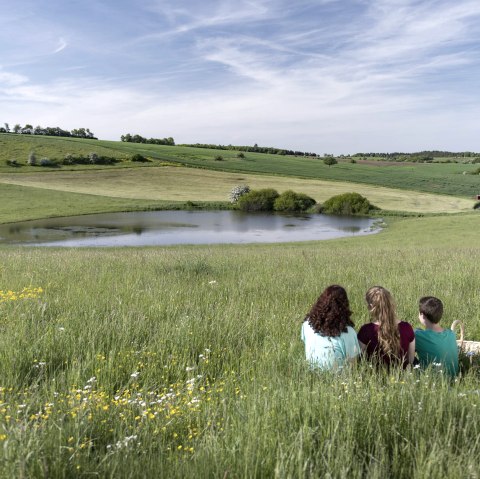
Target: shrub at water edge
{"type": "Point", "coordinates": [237, 192]}
{"type": "Point", "coordinates": [258, 200]}
{"type": "Point", "coordinates": [347, 204]}
{"type": "Point", "coordinates": [291, 201]}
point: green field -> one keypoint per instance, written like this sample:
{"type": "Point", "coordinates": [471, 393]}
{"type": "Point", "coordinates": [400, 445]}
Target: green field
{"type": "Point", "coordinates": [125, 189]}
{"type": "Point", "coordinates": [430, 178]}
{"type": "Point", "coordinates": [186, 361]}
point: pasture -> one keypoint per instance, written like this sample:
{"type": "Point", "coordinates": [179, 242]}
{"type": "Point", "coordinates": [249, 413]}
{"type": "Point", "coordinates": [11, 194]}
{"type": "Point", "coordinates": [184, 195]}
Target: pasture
{"type": "Point", "coordinates": [173, 184]}
{"type": "Point", "coordinates": [436, 178]}
{"type": "Point", "coordinates": [186, 361]}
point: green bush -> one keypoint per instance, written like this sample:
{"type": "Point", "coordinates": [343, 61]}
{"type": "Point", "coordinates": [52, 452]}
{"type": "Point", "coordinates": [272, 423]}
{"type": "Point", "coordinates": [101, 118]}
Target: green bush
{"type": "Point", "coordinates": [47, 162]}
{"type": "Point", "coordinates": [330, 161]}
{"type": "Point", "coordinates": [93, 158]}
{"type": "Point", "coordinates": [241, 155]}
{"type": "Point", "coordinates": [476, 206]}
{"type": "Point", "coordinates": [258, 200]}
{"type": "Point", "coordinates": [218, 158]}
{"type": "Point", "coordinates": [291, 201]}
{"type": "Point", "coordinates": [139, 158]}
{"type": "Point", "coordinates": [13, 163]}
{"type": "Point", "coordinates": [347, 204]}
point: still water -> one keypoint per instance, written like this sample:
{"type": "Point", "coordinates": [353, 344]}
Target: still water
{"type": "Point", "coordinates": [180, 227]}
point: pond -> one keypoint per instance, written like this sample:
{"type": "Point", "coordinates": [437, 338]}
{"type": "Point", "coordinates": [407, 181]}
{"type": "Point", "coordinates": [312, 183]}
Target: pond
{"type": "Point", "coordinates": [181, 227]}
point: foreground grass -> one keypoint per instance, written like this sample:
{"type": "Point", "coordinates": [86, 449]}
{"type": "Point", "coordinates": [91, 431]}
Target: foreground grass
{"type": "Point", "coordinates": [171, 184]}
{"type": "Point", "coordinates": [185, 361]}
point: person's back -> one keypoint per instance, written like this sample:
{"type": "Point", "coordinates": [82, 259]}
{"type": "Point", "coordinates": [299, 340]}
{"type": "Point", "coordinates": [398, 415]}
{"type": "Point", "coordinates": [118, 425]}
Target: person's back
{"type": "Point", "coordinates": [327, 331]}
{"type": "Point", "coordinates": [386, 340]}
{"type": "Point", "coordinates": [434, 345]}
{"type": "Point", "coordinates": [327, 352]}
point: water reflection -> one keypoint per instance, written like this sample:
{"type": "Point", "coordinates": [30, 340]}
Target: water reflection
{"type": "Point", "coordinates": [180, 227]}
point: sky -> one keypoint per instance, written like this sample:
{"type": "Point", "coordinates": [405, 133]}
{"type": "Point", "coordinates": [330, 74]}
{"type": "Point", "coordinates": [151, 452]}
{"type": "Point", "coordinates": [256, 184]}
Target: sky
{"type": "Point", "coordinates": [323, 76]}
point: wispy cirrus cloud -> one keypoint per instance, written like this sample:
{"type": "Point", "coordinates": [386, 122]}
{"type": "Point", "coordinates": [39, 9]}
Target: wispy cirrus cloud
{"type": "Point", "coordinates": [329, 75]}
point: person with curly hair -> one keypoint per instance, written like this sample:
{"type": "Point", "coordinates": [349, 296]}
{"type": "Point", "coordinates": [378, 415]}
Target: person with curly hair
{"type": "Point", "coordinates": [327, 331]}
{"type": "Point", "coordinates": [386, 340]}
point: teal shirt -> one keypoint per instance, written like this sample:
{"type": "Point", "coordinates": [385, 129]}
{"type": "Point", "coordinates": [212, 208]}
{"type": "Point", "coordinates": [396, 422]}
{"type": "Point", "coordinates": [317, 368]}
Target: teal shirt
{"type": "Point", "coordinates": [328, 352]}
{"type": "Point", "coordinates": [439, 348]}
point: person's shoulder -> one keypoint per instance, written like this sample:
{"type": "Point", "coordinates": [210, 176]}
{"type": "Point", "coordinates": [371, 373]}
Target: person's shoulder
{"type": "Point", "coordinates": [367, 327]}
{"type": "Point", "coordinates": [448, 333]}
{"type": "Point", "coordinates": [350, 331]}
{"type": "Point", "coordinates": [404, 325]}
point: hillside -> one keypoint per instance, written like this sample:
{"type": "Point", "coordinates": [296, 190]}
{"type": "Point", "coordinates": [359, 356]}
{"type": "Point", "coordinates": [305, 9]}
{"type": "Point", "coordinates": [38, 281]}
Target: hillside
{"type": "Point", "coordinates": [445, 179]}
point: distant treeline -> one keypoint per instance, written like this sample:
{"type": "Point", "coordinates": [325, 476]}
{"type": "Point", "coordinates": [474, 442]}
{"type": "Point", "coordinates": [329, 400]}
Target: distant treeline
{"type": "Point", "coordinates": [47, 131]}
{"type": "Point", "coordinates": [253, 149]}
{"type": "Point", "coordinates": [151, 141]}
{"type": "Point", "coordinates": [396, 156]}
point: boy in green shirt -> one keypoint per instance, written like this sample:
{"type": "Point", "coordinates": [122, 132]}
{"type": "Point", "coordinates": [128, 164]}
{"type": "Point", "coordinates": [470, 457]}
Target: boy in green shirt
{"type": "Point", "coordinates": [435, 345]}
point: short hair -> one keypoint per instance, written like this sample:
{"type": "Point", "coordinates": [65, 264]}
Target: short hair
{"type": "Point", "coordinates": [431, 308]}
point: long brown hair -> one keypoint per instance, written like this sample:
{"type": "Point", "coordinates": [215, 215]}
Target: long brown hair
{"type": "Point", "coordinates": [382, 308]}
{"type": "Point", "coordinates": [330, 315]}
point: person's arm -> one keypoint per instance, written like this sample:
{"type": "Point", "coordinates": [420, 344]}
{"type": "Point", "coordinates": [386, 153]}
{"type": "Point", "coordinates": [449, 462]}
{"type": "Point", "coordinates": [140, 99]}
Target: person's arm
{"type": "Point", "coordinates": [411, 351]}
{"type": "Point", "coordinates": [363, 338]}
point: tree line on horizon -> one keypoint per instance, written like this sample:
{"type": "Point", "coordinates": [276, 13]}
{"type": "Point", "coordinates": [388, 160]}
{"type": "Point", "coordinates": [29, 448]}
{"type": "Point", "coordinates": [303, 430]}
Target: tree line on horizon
{"type": "Point", "coordinates": [421, 156]}
{"type": "Point", "coordinates": [128, 138]}
{"type": "Point", "coordinates": [398, 156]}
{"type": "Point", "coordinates": [48, 131]}
{"type": "Point", "coordinates": [252, 149]}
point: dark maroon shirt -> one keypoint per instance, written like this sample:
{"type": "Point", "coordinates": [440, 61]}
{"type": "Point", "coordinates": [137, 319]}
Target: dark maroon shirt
{"type": "Point", "coordinates": [368, 335]}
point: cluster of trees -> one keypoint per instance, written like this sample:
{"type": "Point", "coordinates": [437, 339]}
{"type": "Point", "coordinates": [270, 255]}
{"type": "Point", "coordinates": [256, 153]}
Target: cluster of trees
{"type": "Point", "coordinates": [269, 199]}
{"type": "Point", "coordinates": [151, 141]}
{"type": "Point", "coordinates": [253, 149]}
{"type": "Point", "coordinates": [47, 131]}
{"type": "Point", "coordinates": [69, 159]}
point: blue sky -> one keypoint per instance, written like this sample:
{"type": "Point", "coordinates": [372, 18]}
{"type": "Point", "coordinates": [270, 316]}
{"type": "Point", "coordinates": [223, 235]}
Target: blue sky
{"type": "Point", "coordinates": [327, 76]}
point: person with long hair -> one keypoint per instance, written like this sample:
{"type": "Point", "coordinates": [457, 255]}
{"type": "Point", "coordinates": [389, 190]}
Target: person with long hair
{"type": "Point", "coordinates": [386, 339]}
{"type": "Point", "coordinates": [327, 331]}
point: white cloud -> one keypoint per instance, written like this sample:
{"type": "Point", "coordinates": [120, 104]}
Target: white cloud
{"type": "Point", "coordinates": [62, 44]}
{"type": "Point", "coordinates": [269, 72]}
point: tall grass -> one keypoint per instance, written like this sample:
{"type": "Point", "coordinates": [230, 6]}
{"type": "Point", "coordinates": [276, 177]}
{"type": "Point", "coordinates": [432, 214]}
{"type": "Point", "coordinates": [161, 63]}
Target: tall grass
{"type": "Point", "coordinates": [186, 361]}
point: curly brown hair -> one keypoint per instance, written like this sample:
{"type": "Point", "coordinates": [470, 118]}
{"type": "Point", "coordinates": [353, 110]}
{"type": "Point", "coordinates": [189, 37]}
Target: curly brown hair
{"type": "Point", "coordinates": [330, 315]}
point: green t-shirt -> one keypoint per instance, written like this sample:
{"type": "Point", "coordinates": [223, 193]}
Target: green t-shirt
{"type": "Point", "coordinates": [439, 349]}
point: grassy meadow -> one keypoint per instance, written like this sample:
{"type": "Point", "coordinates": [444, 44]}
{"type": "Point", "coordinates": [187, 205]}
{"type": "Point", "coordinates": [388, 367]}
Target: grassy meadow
{"type": "Point", "coordinates": [439, 178]}
{"type": "Point", "coordinates": [148, 186]}
{"type": "Point", "coordinates": [186, 361]}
